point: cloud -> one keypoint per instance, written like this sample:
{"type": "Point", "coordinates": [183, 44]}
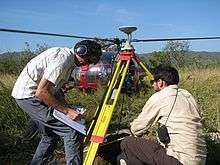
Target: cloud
{"type": "Point", "coordinates": [19, 14]}
{"type": "Point", "coordinates": [126, 17]}
{"type": "Point", "coordinates": [119, 15]}
{"type": "Point", "coordinates": [104, 8]}
{"type": "Point", "coordinates": [163, 25]}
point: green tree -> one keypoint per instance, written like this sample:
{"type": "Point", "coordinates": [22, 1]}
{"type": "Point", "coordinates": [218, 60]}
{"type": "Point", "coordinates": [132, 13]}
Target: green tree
{"type": "Point", "coordinates": [176, 51]}
{"type": "Point", "coordinates": [14, 62]}
{"type": "Point", "coordinates": [41, 48]}
{"type": "Point", "coordinates": [157, 58]}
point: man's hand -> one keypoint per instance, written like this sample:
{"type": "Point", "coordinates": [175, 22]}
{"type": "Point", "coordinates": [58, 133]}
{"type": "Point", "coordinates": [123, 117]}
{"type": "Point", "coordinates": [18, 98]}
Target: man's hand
{"type": "Point", "coordinates": [74, 115]}
{"type": "Point", "coordinates": [44, 93]}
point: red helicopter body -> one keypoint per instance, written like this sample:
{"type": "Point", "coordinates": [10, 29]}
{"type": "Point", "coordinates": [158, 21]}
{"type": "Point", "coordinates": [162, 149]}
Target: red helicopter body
{"type": "Point", "coordinates": [90, 77]}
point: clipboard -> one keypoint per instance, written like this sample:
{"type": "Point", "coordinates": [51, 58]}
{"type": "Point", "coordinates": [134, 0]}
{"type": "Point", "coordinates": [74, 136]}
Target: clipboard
{"type": "Point", "coordinates": [78, 125]}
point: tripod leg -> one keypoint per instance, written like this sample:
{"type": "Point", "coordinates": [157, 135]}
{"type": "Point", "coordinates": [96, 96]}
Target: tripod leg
{"type": "Point", "coordinates": [104, 100]}
{"type": "Point", "coordinates": [106, 112]}
{"type": "Point", "coordinates": [147, 72]}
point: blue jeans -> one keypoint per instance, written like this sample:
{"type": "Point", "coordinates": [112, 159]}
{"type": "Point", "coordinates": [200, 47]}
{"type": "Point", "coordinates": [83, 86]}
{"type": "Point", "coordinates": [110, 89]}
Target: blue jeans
{"type": "Point", "coordinates": [51, 129]}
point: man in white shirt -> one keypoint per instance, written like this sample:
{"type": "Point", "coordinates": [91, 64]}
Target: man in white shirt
{"type": "Point", "coordinates": [35, 89]}
{"type": "Point", "coordinates": [181, 140]}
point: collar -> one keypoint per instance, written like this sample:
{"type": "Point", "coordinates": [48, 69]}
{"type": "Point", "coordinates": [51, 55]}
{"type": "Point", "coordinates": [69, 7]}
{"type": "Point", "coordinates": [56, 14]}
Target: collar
{"type": "Point", "coordinates": [170, 87]}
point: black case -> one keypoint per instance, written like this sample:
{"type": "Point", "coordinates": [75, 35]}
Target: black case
{"type": "Point", "coordinates": [163, 134]}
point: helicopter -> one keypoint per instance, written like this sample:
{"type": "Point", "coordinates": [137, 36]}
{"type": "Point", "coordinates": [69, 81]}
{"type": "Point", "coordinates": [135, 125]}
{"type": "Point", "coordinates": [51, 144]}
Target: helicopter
{"type": "Point", "coordinates": [90, 77]}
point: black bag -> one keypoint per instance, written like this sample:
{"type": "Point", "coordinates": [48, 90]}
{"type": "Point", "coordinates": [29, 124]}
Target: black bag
{"type": "Point", "coordinates": [163, 134]}
{"type": "Point", "coordinates": [162, 131]}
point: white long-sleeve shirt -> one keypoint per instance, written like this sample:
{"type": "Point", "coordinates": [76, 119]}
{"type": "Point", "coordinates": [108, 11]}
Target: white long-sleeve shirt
{"type": "Point", "coordinates": [184, 124]}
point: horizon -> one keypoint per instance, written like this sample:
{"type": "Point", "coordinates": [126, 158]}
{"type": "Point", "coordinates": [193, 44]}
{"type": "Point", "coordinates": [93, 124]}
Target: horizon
{"type": "Point", "coordinates": [196, 51]}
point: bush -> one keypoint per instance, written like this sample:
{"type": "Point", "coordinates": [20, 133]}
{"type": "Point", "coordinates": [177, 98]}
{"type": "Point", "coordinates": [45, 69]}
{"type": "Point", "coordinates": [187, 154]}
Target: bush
{"type": "Point", "coordinates": [13, 63]}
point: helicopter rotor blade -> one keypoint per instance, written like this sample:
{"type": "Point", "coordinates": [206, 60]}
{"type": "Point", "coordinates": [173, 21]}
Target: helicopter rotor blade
{"type": "Point", "coordinates": [174, 39]}
{"type": "Point", "coordinates": [54, 34]}
{"type": "Point", "coordinates": [114, 40]}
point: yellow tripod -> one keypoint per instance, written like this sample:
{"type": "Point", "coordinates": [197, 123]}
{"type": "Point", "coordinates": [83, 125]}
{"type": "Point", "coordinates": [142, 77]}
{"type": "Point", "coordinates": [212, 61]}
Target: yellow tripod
{"type": "Point", "coordinates": [98, 128]}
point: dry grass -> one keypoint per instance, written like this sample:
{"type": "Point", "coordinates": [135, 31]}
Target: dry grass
{"type": "Point", "coordinates": [204, 84]}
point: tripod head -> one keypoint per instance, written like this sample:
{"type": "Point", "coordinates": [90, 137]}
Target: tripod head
{"type": "Point", "coordinates": [128, 30]}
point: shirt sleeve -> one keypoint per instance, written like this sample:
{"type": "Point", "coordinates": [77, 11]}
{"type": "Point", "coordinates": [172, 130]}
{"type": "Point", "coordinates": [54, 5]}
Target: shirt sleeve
{"type": "Point", "coordinates": [56, 71]}
{"type": "Point", "coordinates": [146, 118]}
{"type": "Point", "coordinates": [53, 74]}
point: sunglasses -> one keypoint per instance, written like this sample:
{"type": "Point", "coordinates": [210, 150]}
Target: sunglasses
{"type": "Point", "coordinates": [81, 51]}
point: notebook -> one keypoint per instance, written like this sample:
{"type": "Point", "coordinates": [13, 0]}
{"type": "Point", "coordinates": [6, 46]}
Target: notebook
{"type": "Point", "coordinates": [78, 125]}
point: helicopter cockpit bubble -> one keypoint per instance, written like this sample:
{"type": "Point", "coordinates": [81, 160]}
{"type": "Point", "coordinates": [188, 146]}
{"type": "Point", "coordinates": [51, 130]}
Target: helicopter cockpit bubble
{"type": "Point", "coordinates": [88, 77]}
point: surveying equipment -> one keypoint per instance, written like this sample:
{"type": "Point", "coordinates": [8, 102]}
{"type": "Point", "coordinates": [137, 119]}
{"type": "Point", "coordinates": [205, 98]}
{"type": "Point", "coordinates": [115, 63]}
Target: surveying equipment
{"type": "Point", "coordinates": [99, 125]}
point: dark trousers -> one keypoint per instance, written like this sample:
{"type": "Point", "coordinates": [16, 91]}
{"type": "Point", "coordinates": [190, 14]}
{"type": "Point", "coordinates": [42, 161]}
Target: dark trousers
{"type": "Point", "coordinates": [30, 132]}
{"type": "Point", "coordinates": [140, 151]}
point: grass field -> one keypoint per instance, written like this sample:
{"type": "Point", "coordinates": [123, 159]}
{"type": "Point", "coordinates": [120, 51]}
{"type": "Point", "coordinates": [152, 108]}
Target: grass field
{"type": "Point", "coordinates": [204, 84]}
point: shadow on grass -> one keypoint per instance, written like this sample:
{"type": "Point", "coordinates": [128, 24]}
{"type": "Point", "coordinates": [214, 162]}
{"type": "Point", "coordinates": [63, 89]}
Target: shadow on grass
{"type": "Point", "coordinates": [14, 151]}
{"type": "Point", "coordinates": [213, 155]}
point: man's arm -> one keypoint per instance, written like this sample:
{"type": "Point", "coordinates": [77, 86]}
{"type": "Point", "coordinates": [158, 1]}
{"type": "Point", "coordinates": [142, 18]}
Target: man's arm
{"type": "Point", "coordinates": [146, 118]}
{"type": "Point", "coordinates": [44, 93]}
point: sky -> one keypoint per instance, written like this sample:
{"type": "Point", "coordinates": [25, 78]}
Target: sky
{"type": "Point", "coordinates": [100, 18]}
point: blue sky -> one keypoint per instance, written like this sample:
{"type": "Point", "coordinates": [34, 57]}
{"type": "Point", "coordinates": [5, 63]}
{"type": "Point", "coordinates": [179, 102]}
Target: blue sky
{"type": "Point", "coordinates": [99, 18]}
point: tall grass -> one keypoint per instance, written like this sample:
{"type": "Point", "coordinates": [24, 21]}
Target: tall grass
{"type": "Point", "coordinates": [202, 83]}
{"type": "Point", "coordinates": [12, 124]}
{"type": "Point", "coordinates": [12, 118]}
